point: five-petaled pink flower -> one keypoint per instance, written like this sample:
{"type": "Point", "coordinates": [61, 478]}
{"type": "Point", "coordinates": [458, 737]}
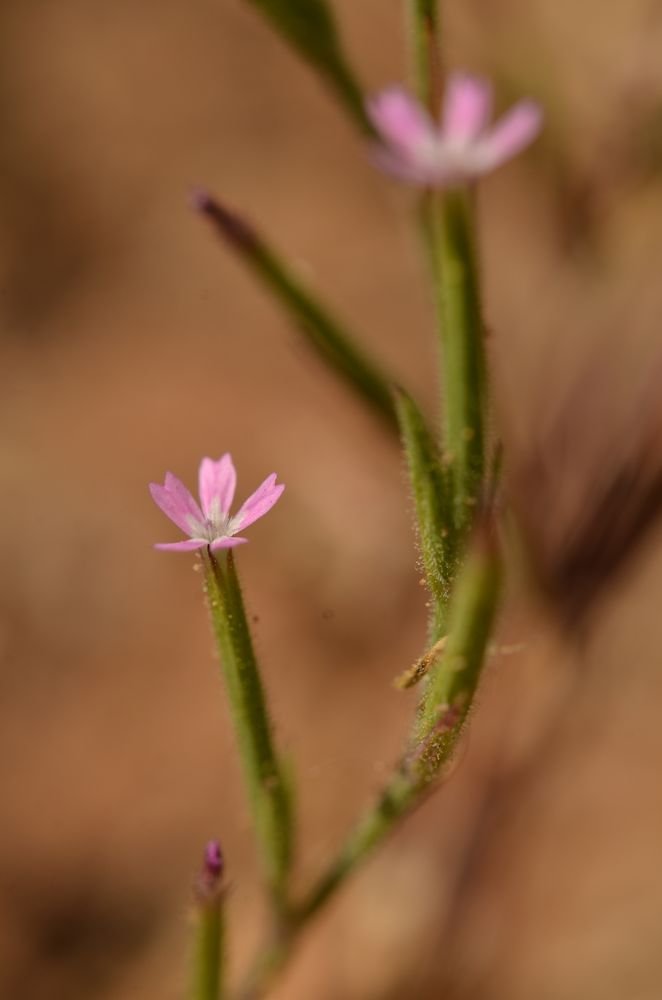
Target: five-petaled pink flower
{"type": "Point", "coordinates": [460, 147]}
{"type": "Point", "coordinates": [209, 522]}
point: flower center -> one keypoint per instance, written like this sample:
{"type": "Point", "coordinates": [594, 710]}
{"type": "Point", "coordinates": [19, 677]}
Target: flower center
{"type": "Point", "coordinates": [216, 526]}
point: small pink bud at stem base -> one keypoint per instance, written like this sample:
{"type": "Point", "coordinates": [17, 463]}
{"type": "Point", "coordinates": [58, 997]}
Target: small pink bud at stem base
{"type": "Point", "coordinates": [209, 883]}
{"type": "Point", "coordinates": [208, 966]}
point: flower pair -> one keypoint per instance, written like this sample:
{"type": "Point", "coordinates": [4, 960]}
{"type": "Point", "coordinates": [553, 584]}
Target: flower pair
{"type": "Point", "coordinates": [414, 148]}
{"type": "Point", "coordinates": [209, 522]}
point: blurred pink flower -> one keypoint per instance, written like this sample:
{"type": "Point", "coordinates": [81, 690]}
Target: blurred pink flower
{"type": "Point", "coordinates": [209, 523]}
{"type": "Point", "coordinates": [460, 147]}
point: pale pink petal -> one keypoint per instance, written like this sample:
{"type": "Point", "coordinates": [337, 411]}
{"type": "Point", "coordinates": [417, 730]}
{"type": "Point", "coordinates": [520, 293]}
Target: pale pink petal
{"type": "Point", "coordinates": [227, 542]}
{"type": "Point", "coordinates": [217, 485]}
{"type": "Point", "coordinates": [467, 107]}
{"type": "Point", "coordinates": [177, 503]}
{"type": "Point", "coordinates": [188, 546]}
{"type": "Point", "coordinates": [258, 503]}
{"type": "Point", "coordinates": [400, 120]}
{"type": "Point", "coordinates": [398, 166]}
{"type": "Point", "coordinates": [511, 134]}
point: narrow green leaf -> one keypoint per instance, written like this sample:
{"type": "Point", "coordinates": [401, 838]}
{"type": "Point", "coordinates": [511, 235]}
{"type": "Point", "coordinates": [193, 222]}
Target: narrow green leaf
{"type": "Point", "coordinates": [324, 333]}
{"type": "Point", "coordinates": [434, 509]}
{"type": "Point", "coordinates": [309, 26]}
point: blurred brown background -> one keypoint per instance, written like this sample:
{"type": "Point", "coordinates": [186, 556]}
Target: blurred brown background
{"type": "Point", "coordinates": [131, 343]}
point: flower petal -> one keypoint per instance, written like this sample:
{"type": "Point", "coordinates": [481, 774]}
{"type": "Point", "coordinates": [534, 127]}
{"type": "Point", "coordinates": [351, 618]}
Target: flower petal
{"type": "Point", "coordinates": [188, 546]}
{"type": "Point", "coordinates": [217, 485]}
{"type": "Point", "coordinates": [226, 542]}
{"type": "Point", "coordinates": [390, 162]}
{"type": "Point", "coordinates": [177, 503]}
{"type": "Point", "coordinates": [400, 120]}
{"type": "Point", "coordinates": [258, 503]}
{"type": "Point", "coordinates": [441, 171]}
{"type": "Point", "coordinates": [467, 107]}
{"type": "Point", "coordinates": [511, 134]}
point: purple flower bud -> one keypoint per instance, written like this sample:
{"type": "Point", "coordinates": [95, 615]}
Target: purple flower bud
{"type": "Point", "coordinates": [200, 199]}
{"type": "Point", "coordinates": [208, 884]}
{"type": "Point", "coordinates": [227, 223]}
{"type": "Point", "coordinates": [213, 864]}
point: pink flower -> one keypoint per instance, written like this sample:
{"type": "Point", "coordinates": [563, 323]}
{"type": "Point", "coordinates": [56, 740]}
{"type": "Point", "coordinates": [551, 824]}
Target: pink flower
{"type": "Point", "coordinates": [460, 147]}
{"type": "Point", "coordinates": [209, 523]}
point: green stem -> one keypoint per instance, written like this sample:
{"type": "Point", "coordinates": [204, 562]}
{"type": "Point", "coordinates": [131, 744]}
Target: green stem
{"type": "Point", "coordinates": [435, 517]}
{"type": "Point", "coordinates": [452, 682]}
{"type": "Point", "coordinates": [268, 792]}
{"type": "Point", "coordinates": [330, 340]}
{"type": "Point", "coordinates": [423, 24]}
{"type": "Point", "coordinates": [208, 964]}
{"type": "Point", "coordinates": [448, 223]}
{"type": "Point", "coordinates": [394, 801]}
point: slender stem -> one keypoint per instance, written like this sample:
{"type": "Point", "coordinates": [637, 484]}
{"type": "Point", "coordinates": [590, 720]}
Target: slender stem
{"type": "Point", "coordinates": [435, 515]}
{"type": "Point", "coordinates": [394, 801]}
{"type": "Point", "coordinates": [448, 223]}
{"type": "Point", "coordinates": [208, 958]}
{"type": "Point", "coordinates": [268, 792]}
{"type": "Point", "coordinates": [452, 680]}
{"type": "Point", "coordinates": [423, 25]}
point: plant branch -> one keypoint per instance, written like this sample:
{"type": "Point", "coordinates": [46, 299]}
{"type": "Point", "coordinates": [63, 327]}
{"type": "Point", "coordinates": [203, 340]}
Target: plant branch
{"type": "Point", "coordinates": [433, 742]}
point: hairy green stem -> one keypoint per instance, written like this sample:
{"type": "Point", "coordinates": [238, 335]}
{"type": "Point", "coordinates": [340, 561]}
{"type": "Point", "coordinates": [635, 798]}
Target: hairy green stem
{"type": "Point", "coordinates": [435, 516]}
{"type": "Point", "coordinates": [447, 224]}
{"type": "Point", "coordinates": [267, 788]}
{"type": "Point", "coordinates": [447, 219]}
{"type": "Point", "coordinates": [208, 957]}
{"type": "Point", "coordinates": [452, 680]}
